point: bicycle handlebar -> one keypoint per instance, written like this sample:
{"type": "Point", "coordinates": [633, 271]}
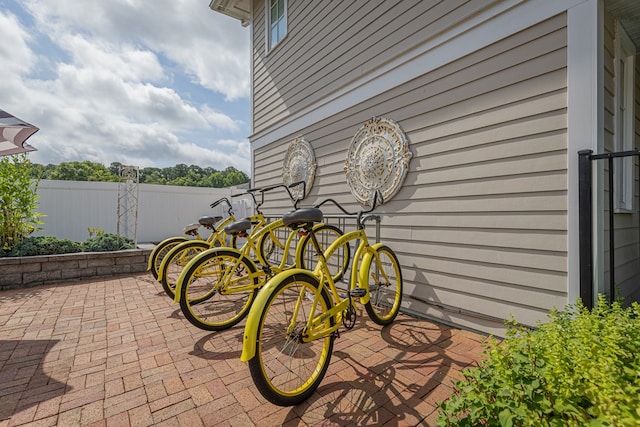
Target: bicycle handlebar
{"type": "Point", "coordinates": [288, 188]}
{"type": "Point", "coordinates": [223, 199]}
{"type": "Point", "coordinates": [252, 191]}
{"type": "Point", "coordinates": [376, 198]}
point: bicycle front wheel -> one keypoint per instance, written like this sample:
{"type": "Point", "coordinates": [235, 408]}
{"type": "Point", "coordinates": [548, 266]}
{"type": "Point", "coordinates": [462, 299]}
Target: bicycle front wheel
{"type": "Point", "coordinates": [285, 369]}
{"type": "Point", "coordinates": [218, 289]}
{"type": "Point", "coordinates": [176, 260]}
{"type": "Point", "coordinates": [385, 286]}
{"type": "Point", "coordinates": [160, 251]}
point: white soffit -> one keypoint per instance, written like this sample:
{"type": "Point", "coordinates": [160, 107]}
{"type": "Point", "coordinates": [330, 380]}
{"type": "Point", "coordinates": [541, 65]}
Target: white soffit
{"type": "Point", "coordinates": [238, 9]}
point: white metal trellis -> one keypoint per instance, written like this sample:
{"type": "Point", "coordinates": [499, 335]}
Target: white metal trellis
{"type": "Point", "coordinates": [128, 202]}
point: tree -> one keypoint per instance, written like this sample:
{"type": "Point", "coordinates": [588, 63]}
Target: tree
{"type": "Point", "coordinates": [18, 200]}
{"type": "Point", "coordinates": [234, 177]}
{"type": "Point", "coordinates": [152, 176]}
{"type": "Point", "coordinates": [180, 174]}
{"type": "Point", "coordinates": [82, 171]}
{"type": "Point", "coordinates": [115, 167]}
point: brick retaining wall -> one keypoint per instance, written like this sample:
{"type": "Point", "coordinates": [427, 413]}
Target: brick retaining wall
{"type": "Point", "coordinates": [44, 269]}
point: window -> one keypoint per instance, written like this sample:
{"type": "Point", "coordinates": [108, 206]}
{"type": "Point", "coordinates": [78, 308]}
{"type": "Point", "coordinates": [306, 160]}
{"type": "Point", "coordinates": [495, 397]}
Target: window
{"type": "Point", "coordinates": [624, 120]}
{"type": "Point", "coordinates": [277, 20]}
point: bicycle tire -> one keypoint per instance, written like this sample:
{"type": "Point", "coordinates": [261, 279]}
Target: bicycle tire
{"type": "Point", "coordinates": [176, 260]}
{"type": "Point", "coordinates": [160, 251]}
{"type": "Point", "coordinates": [385, 296]}
{"type": "Point", "coordinates": [288, 384]}
{"type": "Point", "coordinates": [271, 246]}
{"type": "Point", "coordinates": [237, 242]}
{"type": "Point", "coordinates": [339, 260]}
{"type": "Point", "coordinates": [201, 301]}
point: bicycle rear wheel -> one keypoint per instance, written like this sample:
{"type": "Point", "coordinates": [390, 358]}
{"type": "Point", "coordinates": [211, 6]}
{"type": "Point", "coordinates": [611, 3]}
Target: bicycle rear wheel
{"type": "Point", "coordinates": [385, 286]}
{"type": "Point", "coordinates": [218, 289]}
{"type": "Point", "coordinates": [285, 369]}
{"type": "Point", "coordinates": [326, 234]}
{"type": "Point", "coordinates": [273, 248]}
{"type": "Point", "coordinates": [176, 260]}
{"type": "Point", "coordinates": [160, 251]}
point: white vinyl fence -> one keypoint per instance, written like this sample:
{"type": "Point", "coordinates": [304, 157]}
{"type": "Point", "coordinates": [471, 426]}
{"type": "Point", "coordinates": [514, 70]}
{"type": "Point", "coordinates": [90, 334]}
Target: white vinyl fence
{"type": "Point", "coordinates": [72, 207]}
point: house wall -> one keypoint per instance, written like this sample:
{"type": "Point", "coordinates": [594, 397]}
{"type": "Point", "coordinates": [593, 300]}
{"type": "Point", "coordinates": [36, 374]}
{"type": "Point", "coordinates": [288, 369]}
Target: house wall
{"type": "Point", "coordinates": [329, 47]}
{"type": "Point", "coordinates": [626, 225]}
{"type": "Point", "coordinates": [480, 224]}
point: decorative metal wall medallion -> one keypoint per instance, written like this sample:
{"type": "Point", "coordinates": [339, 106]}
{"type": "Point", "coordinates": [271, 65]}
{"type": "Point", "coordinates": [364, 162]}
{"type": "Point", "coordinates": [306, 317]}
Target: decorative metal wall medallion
{"type": "Point", "coordinates": [299, 165]}
{"type": "Point", "coordinates": [378, 159]}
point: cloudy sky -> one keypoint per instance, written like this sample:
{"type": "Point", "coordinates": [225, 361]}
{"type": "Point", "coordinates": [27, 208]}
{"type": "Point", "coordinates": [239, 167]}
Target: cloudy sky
{"type": "Point", "coordinates": [144, 83]}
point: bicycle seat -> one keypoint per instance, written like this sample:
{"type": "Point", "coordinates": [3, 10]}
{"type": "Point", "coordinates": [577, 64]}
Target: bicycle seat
{"type": "Point", "coordinates": [209, 220]}
{"type": "Point", "coordinates": [191, 229]}
{"type": "Point", "coordinates": [295, 219]}
{"type": "Point", "coordinates": [238, 226]}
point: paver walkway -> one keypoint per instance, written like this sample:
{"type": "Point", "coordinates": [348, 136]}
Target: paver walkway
{"type": "Point", "coordinates": [118, 352]}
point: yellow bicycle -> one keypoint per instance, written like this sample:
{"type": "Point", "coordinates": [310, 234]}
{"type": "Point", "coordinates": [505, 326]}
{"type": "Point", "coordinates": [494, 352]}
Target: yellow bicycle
{"type": "Point", "coordinates": [217, 287]}
{"type": "Point", "coordinates": [213, 223]}
{"type": "Point", "coordinates": [180, 254]}
{"type": "Point", "coordinates": [291, 327]}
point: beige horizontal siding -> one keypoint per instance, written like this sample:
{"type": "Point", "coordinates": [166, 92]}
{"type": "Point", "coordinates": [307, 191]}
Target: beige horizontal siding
{"type": "Point", "coordinates": [480, 222]}
{"type": "Point", "coordinates": [321, 56]}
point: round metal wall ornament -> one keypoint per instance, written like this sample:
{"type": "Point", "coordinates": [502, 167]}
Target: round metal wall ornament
{"type": "Point", "coordinates": [299, 165]}
{"type": "Point", "coordinates": [378, 159]}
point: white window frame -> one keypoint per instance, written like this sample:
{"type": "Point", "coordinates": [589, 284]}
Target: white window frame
{"type": "Point", "coordinates": [624, 120]}
{"type": "Point", "coordinates": [272, 42]}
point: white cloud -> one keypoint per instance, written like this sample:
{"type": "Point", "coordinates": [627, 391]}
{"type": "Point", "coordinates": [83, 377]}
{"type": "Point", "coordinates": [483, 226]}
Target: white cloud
{"type": "Point", "coordinates": [213, 48]}
{"type": "Point", "coordinates": [17, 58]}
{"type": "Point", "coordinates": [96, 80]}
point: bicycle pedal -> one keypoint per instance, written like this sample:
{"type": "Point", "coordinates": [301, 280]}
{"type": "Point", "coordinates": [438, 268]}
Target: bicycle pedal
{"type": "Point", "coordinates": [357, 292]}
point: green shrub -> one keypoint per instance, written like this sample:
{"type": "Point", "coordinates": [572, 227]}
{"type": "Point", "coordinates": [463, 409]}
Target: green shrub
{"type": "Point", "coordinates": [18, 201]}
{"type": "Point", "coordinates": [582, 368]}
{"type": "Point", "coordinates": [49, 245]}
{"type": "Point", "coordinates": [108, 242]}
{"type": "Point", "coordinates": [44, 245]}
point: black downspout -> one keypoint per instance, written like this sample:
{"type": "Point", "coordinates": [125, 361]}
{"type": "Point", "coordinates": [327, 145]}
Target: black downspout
{"type": "Point", "coordinates": [585, 227]}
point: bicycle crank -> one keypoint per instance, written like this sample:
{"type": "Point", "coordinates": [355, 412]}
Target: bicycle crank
{"type": "Point", "coordinates": [349, 317]}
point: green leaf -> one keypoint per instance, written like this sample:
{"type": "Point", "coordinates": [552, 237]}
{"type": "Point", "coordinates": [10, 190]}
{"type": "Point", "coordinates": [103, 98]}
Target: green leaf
{"type": "Point", "coordinates": [506, 418]}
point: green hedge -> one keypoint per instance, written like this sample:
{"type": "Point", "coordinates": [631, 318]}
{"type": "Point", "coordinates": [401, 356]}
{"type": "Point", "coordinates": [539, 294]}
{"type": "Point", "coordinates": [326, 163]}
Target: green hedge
{"type": "Point", "coordinates": [108, 242]}
{"type": "Point", "coordinates": [48, 245]}
{"type": "Point", "coordinates": [582, 368]}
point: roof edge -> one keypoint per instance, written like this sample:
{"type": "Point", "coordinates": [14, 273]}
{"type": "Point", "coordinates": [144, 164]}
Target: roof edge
{"type": "Point", "coordinates": [238, 9]}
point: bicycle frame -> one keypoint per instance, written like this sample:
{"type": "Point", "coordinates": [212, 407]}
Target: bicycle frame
{"type": "Point", "coordinates": [225, 284]}
{"type": "Point", "coordinates": [365, 254]}
{"type": "Point", "coordinates": [257, 220]}
{"type": "Point", "coordinates": [218, 235]}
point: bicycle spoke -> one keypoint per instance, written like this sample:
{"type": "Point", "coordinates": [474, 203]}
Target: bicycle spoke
{"type": "Point", "coordinates": [219, 290]}
{"type": "Point", "coordinates": [385, 286]}
{"type": "Point", "coordinates": [287, 366]}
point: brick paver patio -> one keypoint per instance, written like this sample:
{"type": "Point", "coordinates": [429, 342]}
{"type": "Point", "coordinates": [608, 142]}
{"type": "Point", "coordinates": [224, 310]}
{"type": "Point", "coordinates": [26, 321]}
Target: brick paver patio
{"type": "Point", "coordinates": [118, 352]}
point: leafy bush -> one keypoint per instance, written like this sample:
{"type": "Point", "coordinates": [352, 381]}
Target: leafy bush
{"type": "Point", "coordinates": [108, 242]}
{"type": "Point", "coordinates": [18, 201]}
{"type": "Point", "coordinates": [49, 245]}
{"type": "Point", "coordinates": [44, 245]}
{"type": "Point", "coordinates": [581, 368]}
